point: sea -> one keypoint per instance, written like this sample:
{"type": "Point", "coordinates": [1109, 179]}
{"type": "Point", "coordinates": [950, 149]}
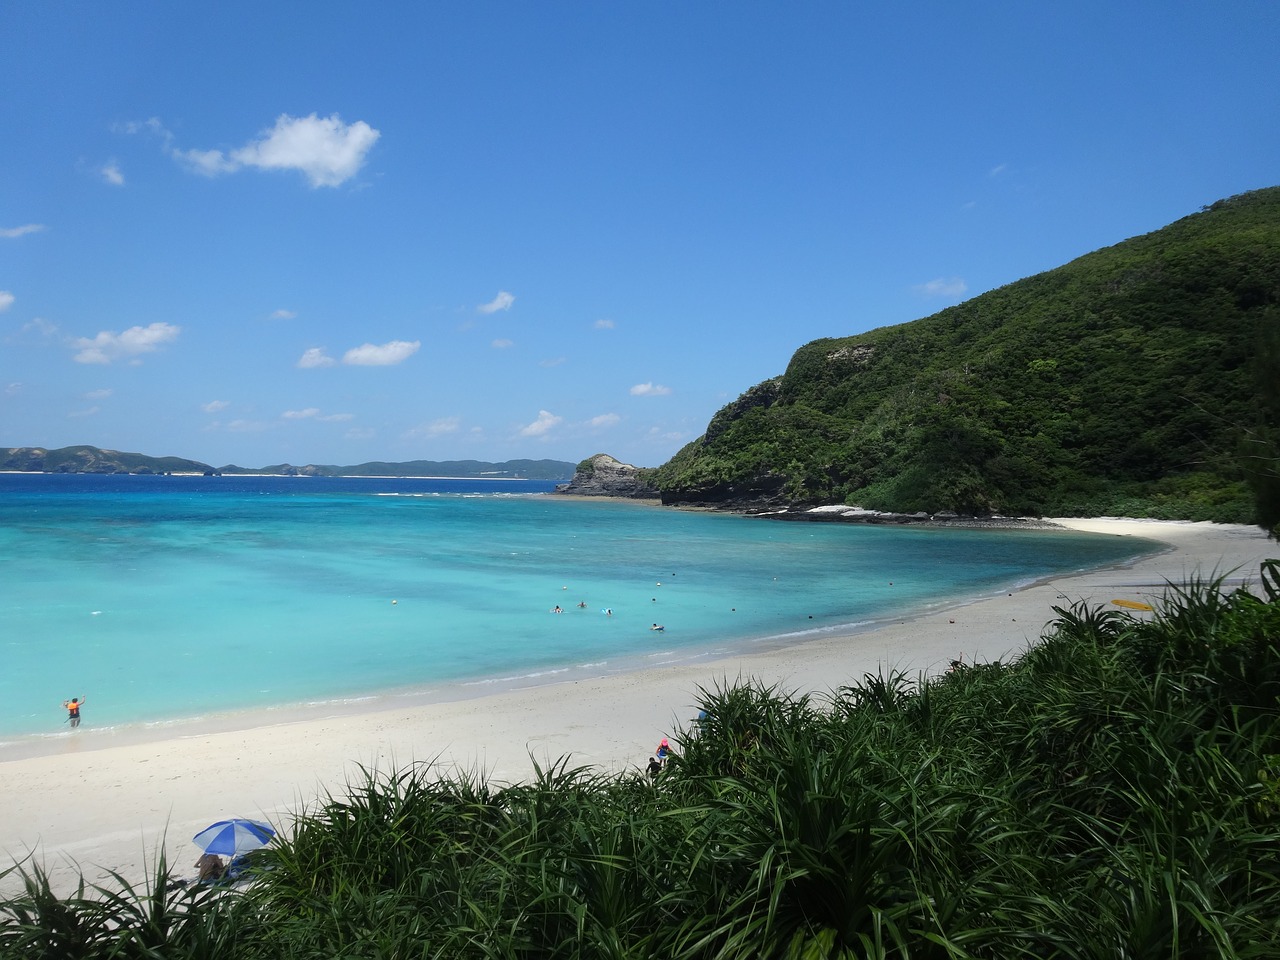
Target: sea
{"type": "Point", "coordinates": [170, 600]}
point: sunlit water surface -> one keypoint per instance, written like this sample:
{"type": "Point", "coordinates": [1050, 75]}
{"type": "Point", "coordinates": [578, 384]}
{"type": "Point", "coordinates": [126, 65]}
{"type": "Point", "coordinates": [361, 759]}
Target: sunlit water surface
{"type": "Point", "coordinates": [162, 598]}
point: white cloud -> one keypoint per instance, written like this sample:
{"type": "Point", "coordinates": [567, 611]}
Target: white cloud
{"type": "Point", "coordinates": [502, 301]}
{"type": "Point", "coordinates": [326, 150]}
{"type": "Point", "coordinates": [208, 162]}
{"type": "Point", "coordinates": [315, 357]}
{"type": "Point", "coordinates": [604, 420]}
{"type": "Point", "coordinates": [997, 170]}
{"type": "Point", "coordinates": [153, 125]}
{"type": "Point", "coordinates": [246, 426]}
{"type": "Point", "coordinates": [108, 345]}
{"type": "Point", "coordinates": [89, 412]}
{"type": "Point", "coordinates": [12, 233]}
{"type": "Point", "coordinates": [650, 390]}
{"type": "Point", "coordinates": [112, 174]}
{"type": "Point", "coordinates": [545, 422]}
{"type": "Point", "coordinates": [6, 300]}
{"type": "Point", "coordinates": [435, 428]}
{"type": "Point", "coordinates": [552, 361]}
{"type": "Point", "coordinates": [502, 344]}
{"type": "Point", "coordinates": [313, 413]}
{"type": "Point", "coordinates": [215, 406]}
{"type": "Point", "coordinates": [360, 433]}
{"type": "Point", "coordinates": [41, 326]}
{"type": "Point", "coordinates": [386, 355]}
{"type": "Point", "coordinates": [99, 394]}
{"type": "Point", "coordinates": [12, 389]}
{"type": "Point", "coordinates": [943, 287]}
{"type": "Point", "coordinates": [604, 324]}
{"type": "Point", "coordinates": [666, 436]}
{"type": "Point", "coordinates": [283, 315]}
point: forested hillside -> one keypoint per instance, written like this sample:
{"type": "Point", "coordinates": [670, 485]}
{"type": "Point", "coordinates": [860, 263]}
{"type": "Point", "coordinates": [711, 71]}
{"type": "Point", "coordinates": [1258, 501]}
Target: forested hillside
{"type": "Point", "coordinates": [1125, 382]}
{"type": "Point", "coordinates": [87, 459]}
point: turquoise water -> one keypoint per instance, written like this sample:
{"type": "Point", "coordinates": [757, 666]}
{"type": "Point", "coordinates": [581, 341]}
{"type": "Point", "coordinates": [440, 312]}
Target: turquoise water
{"type": "Point", "coordinates": [169, 597]}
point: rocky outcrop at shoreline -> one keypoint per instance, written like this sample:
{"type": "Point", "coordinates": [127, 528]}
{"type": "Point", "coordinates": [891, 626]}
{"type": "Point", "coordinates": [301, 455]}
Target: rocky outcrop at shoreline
{"type": "Point", "coordinates": [845, 514]}
{"type": "Point", "coordinates": [603, 476]}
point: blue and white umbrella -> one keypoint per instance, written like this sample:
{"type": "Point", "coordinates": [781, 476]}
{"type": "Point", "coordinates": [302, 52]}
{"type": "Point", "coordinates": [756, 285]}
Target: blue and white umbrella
{"type": "Point", "coordinates": [230, 838]}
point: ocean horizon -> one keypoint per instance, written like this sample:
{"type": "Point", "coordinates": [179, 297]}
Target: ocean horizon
{"type": "Point", "coordinates": [168, 600]}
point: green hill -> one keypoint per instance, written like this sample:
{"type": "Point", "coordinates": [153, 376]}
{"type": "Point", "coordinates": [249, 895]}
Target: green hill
{"type": "Point", "coordinates": [87, 459]}
{"type": "Point", "coordinates": [1121, 383]}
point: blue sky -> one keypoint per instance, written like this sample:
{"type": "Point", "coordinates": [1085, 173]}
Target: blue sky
{"type": "Point", "coordinates": [333, 232]}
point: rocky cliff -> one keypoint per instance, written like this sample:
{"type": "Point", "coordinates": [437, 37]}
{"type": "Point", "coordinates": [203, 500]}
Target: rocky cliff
{"type": "Point", "coordinates": [603, 476]}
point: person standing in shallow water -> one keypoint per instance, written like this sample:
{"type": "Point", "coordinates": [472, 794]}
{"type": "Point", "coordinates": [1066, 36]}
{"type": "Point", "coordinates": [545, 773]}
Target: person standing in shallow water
{"type": "Point", "coordinates": [73, 710]}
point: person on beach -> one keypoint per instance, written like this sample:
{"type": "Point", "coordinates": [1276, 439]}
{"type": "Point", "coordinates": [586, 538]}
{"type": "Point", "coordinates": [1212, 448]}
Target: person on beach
{"type": "Point", "coordinates": [210, 867]}
{"type": "Point", "coordinates": [663, 751]}
{"type": "Point", "coordinates": [73, 710]}
{"type": "Point", "coordinates": [655, 768]}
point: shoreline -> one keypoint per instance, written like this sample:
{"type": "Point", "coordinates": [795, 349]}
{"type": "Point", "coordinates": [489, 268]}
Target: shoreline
{"type": "Point", "coordinates": [93, 736]}
{"type": "Point", "coordinates": [109, 807]}
{"type": "Point", "coordinates": [400, 692]}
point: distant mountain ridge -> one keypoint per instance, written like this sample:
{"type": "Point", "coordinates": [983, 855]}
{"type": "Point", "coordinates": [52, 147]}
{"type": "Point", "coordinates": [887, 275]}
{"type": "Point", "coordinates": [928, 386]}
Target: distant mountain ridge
{"type": "Point", "coordinates": [89, 459]}
{"type": "Point", "coordinates": [1130, 382]}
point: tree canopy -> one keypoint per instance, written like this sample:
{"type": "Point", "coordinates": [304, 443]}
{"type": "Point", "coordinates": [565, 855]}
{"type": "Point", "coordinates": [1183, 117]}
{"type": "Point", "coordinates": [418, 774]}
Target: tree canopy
{"type": "Point", "coordinates": [1124, 382]}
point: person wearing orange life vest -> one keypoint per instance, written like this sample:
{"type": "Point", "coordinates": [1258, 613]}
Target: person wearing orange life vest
{"type": "Point", "coordinates": [73, 710]}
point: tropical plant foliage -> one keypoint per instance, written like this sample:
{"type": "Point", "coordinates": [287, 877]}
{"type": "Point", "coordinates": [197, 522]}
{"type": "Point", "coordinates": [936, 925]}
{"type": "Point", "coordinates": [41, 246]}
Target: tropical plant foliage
{"type": "Point", "coordinates": [1113, 793]}
{"type": "Point", "coordinates": [1122, 383]}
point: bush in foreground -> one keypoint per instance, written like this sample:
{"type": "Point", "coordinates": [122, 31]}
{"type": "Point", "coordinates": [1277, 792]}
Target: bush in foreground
{"type": "Point", "coordinates": [1113, 793]}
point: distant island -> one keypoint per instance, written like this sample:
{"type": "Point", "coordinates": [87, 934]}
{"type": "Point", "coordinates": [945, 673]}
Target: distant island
{"type": "Point", "coordinates": [89, 459]}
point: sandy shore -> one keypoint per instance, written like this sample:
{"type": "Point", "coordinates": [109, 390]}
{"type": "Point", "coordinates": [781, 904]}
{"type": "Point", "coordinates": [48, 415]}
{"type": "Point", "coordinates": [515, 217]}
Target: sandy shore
{"type": "Point", "coordinates": [94, 810]}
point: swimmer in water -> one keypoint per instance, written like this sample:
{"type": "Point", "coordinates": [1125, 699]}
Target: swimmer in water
{"type": "Point", "coordinates": [657, 626]}
{"type": "Point", "coordinates": [556, 609]}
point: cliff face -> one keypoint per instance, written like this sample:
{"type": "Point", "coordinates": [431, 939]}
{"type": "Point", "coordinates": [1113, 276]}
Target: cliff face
{"type": "Point", "coordinates": [603, 476]}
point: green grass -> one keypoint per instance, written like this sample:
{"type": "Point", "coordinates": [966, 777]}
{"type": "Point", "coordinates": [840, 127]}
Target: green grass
{"type": "Point", "coordinates": [1113, 793]}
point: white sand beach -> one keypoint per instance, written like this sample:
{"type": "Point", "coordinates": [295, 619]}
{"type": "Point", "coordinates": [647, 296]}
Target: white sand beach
{"type": "Point", "coordinates": [97, 805]}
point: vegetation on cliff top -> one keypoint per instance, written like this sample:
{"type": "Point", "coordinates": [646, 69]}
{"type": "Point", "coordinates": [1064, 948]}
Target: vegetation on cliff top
{"type": "Point", "coordinates": [1127, 382]}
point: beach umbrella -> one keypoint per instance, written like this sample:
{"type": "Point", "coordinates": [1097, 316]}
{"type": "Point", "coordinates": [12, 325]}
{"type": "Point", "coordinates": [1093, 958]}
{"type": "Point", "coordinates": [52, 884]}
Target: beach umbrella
{"type": "Point", "coordinates": [233, 837]}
